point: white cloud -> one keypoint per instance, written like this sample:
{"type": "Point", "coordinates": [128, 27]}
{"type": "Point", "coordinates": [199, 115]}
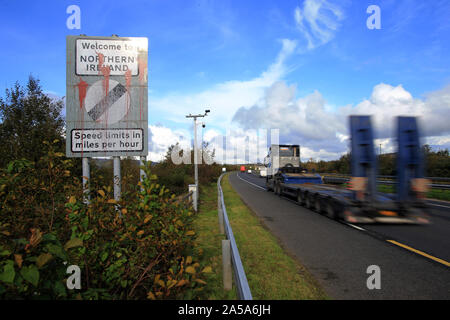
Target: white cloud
{"type": "Point", "coordinates": [306, 121]}
{"type": "Point", "coordinates": [225, 98]}
{"type": "Point", "coordinates": [308, 153]}
{"type": "Point", "coordinates": [232, 146]}
{"type": "Point", "coordinates": [387, 102]}
{"type": "Point", "coordinates": [161, 138]}
{"type": "Point", "coordinates": [318, 21]}
{"type": "Point", "coordinates": [323, 132]}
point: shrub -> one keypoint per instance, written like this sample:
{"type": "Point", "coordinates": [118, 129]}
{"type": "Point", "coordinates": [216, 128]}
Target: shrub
{"type": "Point", "coordinates": [140, 247]}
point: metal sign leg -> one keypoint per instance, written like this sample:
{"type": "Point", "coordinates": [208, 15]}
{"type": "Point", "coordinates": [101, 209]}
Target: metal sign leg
{"type": "Point", "coordinates": [142, 175]}
{"type": "Point", "coordinates": [86, 177]}
{"type": "Point", "coordinates": [117, 178]}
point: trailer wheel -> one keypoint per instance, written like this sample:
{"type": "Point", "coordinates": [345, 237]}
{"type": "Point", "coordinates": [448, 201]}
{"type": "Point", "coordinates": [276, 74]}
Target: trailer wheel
{"type": "Point", "coordinates": [317, 204]}
{"type": "Point", "coordinates": [299, 198]}
{"type": "Point", "coordinates": [330, 209]}
{"type": "Point", "coordinates": [309, 201]}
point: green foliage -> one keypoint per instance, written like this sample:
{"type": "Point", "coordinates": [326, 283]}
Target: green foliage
{"type": "Point", "coordinates": [137, 249]}
{"type": "Point", "coordinates": [28, 117]}
{"type": "Point", "coordinates": [342, 165]}
{"type": "Point", "coordinates": [437, 162]}
{"type": "Point", "coordinates": [141, 247]}
{"type": "Point", "coordinates": [32, 194]}
{"type": "Point", "coordinates": [177, 177]}
{"type": "Point", "coordinates": [33, 268]}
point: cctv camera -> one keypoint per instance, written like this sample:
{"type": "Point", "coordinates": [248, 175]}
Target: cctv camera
{"type": "Point", "coordinates": [206, 111]}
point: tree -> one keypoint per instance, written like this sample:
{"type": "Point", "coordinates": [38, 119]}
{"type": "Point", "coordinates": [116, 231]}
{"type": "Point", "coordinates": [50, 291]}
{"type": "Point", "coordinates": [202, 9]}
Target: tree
{"type": "Point", "coordinates": [28, 117]}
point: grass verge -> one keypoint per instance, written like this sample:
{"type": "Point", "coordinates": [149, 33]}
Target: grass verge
{"type": "Point", "coordinates": [209, 242]}
{"type": "Point", "coordinates": [271, 272]}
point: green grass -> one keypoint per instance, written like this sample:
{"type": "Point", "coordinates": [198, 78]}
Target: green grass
{"type": "Point", "coordinates": [271, 272]}
{"type": "Point", "coordinates": [209, 240]}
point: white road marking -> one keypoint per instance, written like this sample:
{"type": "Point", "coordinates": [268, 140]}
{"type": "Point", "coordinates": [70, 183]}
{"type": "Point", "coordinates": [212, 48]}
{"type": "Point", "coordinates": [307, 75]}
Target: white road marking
{"type": "Point", "coordinates": [250, 182]}
{"type": "Point", "coordinates": [439, 205]}
{"type": "Point", "coordinates": [356, 227]}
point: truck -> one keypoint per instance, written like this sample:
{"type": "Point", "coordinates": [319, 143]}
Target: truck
{"type": "Point", "coordinates": [283, 167]}
{"type": "Point", "coordinates": [359, 202]}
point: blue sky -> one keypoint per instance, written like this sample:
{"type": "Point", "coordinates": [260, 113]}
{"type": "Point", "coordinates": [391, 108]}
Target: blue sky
{"type": "Point", "coordinates": [315, 57]}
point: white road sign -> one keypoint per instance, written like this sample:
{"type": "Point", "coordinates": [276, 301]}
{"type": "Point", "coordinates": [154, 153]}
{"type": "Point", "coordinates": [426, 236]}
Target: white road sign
{"type": "Point", "coordinates": [107, 108]}
{"type": "Point", "coordinates": [106, 96]}
{"type": "Point", "coordinates": [103, 140]}
{"type": "Point", "coordinates": [119, 55]}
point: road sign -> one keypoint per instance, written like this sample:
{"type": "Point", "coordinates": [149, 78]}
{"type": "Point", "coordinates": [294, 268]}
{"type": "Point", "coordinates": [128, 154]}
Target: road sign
{"type": "Point", "coordinates": [106, 96]}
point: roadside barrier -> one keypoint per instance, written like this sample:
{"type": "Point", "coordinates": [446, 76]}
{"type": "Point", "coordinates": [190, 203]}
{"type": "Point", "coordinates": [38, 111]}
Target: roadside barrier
{"type": "Point", "coordinates": [230, 252]}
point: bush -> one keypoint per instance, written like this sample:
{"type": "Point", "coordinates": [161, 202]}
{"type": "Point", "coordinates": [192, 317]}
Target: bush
{"type": "Point", "coordinates": [178, 177]}
{"type": "Point", "coordinates": [141, 247]}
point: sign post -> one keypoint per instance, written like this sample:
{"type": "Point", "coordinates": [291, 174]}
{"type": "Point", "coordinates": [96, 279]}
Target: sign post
{"type": "Point", "coordinates": [106, 91]}
{"type": "Point", "coordinates": [86, 177]}
{"type": "Point", "coordinates": [117, 178]}
{"type": "Point", "coordinates": [142, 174]}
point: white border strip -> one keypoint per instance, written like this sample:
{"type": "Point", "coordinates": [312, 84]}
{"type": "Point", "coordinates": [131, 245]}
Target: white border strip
{"type": "Point", "coordinates": [237, 174]}
{"type": "Point", "coordinates": [438, 205]}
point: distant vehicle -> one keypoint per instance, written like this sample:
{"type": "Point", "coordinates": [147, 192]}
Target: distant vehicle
{"type": "Point", "coordinates": [242, 168]}
{"type": "Point", "coordinates": [249, 171]}
{"type": "Point", "coordinates": [263, 172]}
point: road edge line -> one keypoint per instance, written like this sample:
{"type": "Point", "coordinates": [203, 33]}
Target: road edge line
{"type": "Point", "coordinates": [237, 174]}
{"type": "Point", "coordinates": [426, 255]}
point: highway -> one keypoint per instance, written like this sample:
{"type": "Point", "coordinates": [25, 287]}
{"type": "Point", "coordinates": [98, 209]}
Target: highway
{"type": "Point", "coordinates": [413, 259]}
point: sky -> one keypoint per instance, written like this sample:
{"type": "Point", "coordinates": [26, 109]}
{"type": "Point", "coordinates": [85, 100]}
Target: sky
{"type": "Point", "coordinates": [299, 67]}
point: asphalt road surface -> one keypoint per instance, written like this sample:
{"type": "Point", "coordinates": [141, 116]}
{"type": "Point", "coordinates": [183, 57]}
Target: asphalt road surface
{"type": "Point", "coordinates": [414, 266]}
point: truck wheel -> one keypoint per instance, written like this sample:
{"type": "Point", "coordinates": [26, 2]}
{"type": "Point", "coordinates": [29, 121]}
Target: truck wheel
{"type": "Point", "coordinates": [277, 189]}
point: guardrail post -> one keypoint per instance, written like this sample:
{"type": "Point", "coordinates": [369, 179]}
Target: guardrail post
{"type": "Point", "coordinates": [193, 188]}
{"type": "Point", "coordinates": [226, 265]}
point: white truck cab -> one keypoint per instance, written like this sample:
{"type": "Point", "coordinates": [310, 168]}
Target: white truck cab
{"type": "Point", "coordinates": [280, 156]}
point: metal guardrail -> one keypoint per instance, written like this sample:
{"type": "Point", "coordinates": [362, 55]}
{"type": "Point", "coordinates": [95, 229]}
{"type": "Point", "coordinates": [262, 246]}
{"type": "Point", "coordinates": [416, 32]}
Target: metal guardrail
{"type": "Point", "coordinates": [343, 179]}
{"type": "Point", "coordinates": [239, 273]}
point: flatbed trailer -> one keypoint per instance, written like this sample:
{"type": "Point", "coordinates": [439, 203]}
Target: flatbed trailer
{"type": "Point", "coordinates": [339, 203]}
{"type": "Point", "coordinates": [360, 202]}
